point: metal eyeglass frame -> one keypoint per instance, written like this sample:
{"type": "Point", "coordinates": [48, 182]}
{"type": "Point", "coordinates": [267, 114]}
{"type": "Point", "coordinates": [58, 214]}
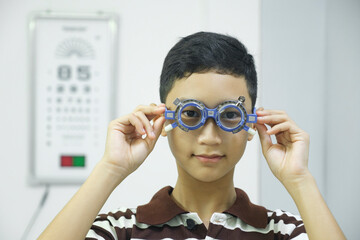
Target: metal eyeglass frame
{"type": "Point", "coordinates": [210, 113]}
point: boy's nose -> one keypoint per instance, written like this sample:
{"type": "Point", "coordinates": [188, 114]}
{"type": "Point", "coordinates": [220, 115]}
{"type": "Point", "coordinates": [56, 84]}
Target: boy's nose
{"type": "Point", "coordinates": [209, 133]}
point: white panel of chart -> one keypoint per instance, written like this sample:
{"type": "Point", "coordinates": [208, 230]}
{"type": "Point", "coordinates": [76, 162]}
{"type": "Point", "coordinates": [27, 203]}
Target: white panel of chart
{"type": "Point", "coordinates": [72, 62]}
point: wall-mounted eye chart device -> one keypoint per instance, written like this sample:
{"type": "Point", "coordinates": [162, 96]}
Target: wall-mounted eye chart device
{"type": "Point", "coordinates": [73, 71]}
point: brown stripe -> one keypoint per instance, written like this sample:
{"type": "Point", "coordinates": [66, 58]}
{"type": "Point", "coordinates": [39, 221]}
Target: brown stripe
{"type": "Point", "coordinates": [200, 232]}
{"type": "Point", "coordinates": [180, 232]}
{"type": "Point", "coordinates": [102, 232]}
{"type": "Point", "coordinates": [128, 214]}
{"type": "Point", "coordinates": [220, 232]}
{"type": "Point", "coordinates": [160, 209]}
{"type": "Point", "coordinates": [279, 236]}
{"type": "Point", "coordinates": [285, 218]}
{"type": "Point", "coordinates": [248, 212]}
{"type": "Point", "coordinates": [123, 233]}
{"type": "Point", "coordinates": [297, 231]}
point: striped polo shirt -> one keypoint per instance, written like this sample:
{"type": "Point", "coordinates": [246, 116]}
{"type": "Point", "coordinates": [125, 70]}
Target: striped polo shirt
{"type": "Point", "coordinates": [162, 218]}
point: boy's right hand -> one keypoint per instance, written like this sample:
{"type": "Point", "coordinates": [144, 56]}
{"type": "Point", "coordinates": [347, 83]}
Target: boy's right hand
{"type": "Point", "coordinates": [126, 148]}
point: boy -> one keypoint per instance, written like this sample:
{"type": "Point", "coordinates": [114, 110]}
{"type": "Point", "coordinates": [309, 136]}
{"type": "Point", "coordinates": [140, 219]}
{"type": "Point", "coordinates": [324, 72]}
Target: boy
{"type": "Point", "coordinates": [201, 73]}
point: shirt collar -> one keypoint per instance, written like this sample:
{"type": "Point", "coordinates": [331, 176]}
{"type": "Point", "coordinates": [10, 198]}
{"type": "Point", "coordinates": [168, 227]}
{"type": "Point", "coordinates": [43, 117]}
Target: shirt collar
{"type": "Point", "coordinates": [162, 209]}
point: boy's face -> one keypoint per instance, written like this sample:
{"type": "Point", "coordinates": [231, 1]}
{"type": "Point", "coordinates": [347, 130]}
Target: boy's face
{"type": "Point", "coordinates": [207, 153]}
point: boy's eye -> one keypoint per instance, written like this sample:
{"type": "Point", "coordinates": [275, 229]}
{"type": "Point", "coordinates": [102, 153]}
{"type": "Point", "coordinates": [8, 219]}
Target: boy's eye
{"type": "Point", "coordinates": [230, 115]}
{"type": "Point", "coordinates": [190, 113]}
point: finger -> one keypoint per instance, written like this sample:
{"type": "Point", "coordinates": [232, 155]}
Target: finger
{"type": "Point", "coordinates": [123, 124]}
{"type": "Point", "coordinates": [272, 119]}
{"type": "Point", "coordinates": [265, 139]}
{"type": "Point", "coordinates": [159, 109]}
{"type": "Point", "coordinates": [137, 123]}
{"type": "Point", "coordinates": [127, 124]}
{"type": "Point", "coordinates": [146, 123]}
{"type": "Point", "coordinates": [151, 111]}
{"type": "Point", "coordinates": [148, 109]}
{"type": "Point", "coordinates": [158, 125]}
{"type": "Point", "coordinates": [133, 135]}
{"type": "Point", "coordinates": [282, 127]}
{"type": "Point", "coordinates": [263, 112]}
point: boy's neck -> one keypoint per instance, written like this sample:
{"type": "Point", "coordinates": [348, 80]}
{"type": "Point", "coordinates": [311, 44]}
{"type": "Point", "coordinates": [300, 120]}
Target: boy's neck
{"type": "Point", "coordinates": [205, 198]}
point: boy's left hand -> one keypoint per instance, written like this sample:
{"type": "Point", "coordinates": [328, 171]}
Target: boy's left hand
{"type": "Point", "coordinates": [288, 158]}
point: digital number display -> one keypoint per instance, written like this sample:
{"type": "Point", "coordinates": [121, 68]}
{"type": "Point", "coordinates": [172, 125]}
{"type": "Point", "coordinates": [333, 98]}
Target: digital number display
{"type": "Point", "coordinates": [65, 72]}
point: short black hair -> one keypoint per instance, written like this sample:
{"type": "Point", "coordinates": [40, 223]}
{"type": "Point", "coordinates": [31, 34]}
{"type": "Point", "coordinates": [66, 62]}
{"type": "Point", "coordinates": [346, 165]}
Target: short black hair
{"type": "Point", "coordinates": [206, 51]}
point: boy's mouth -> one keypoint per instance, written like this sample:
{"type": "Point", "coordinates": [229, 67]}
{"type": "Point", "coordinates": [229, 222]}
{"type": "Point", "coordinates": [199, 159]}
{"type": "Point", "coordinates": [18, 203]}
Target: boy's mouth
{"type": "Point", "coordinates": [209, 158]}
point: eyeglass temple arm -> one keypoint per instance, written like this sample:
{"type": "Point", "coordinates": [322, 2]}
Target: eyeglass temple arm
{"type": "Point", "coordinates": [251, 118]}
{"type": "Point", "coordinates": [171, 116]}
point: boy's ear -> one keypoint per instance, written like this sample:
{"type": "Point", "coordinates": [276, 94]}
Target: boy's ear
{"type": "Point", "coordinates": [250, 136]}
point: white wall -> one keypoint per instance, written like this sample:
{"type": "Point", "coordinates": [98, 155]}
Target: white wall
{"type": "Point", "coordinates": [148, 29]}
{"type": "Point", "coordinates": [293, 79]}
{"type": "Point", "coordinates": [343, 129]}
{"type": "Point", "coordinates": [310, 68]}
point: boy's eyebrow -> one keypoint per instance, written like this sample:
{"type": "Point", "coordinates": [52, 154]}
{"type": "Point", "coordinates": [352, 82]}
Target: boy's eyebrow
{"type": "Point", "coordinates": [217, 104]}
{"type": "Point", "coordinates": [184, 98]}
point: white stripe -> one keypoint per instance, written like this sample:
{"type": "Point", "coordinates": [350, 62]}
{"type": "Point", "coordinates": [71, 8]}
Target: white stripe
{"type": "Point", "coordinates": [228, 221]}
{"type": "Point", "coordinates": [232, 223]}
{"type": "Point", "coordinates": [92, 234]}
{"type": "Point", "coordinates": [177, 221]}
{"type": "Point", "coordinates": [123, 222]}
{"type": "Point", "coordinates": [302, 236]}
{"type": "Point", "coordinates": [279, 212]}
{"type": "Point", "coordinates": [210, 238]}
{"type": "Point", "coordinates": [124, 209]}
{"type": "Point", "coordinates": [174, 238]}
{"type": "Point", "coordinates": [106, 226]}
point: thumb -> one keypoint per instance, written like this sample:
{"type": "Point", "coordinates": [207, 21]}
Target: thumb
{"type": "Point", "coordinates": [265, 139]}
{"type": "Point", "coordinates": [158, 124]}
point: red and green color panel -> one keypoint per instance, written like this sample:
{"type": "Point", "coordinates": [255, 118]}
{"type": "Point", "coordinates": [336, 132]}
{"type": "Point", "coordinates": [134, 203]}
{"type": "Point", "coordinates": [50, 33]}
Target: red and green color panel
{"type": "Point", "coordinates": [72, 161]}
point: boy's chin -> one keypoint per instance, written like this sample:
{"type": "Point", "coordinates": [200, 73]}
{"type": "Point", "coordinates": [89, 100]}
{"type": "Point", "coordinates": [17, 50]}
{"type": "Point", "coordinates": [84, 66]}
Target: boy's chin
{"type": "Point", "coordinates": [211, 176]}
